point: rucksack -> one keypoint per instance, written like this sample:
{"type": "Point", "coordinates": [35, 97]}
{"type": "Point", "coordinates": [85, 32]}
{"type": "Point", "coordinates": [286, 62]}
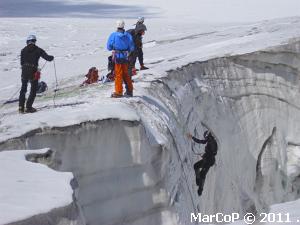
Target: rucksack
{"type": "Point", "coordinates": [42, 87]}
{"type": "Point", "coordinates": [92, 76]}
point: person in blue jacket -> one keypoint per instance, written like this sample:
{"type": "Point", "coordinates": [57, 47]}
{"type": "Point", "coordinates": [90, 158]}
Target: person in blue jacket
{"type": "Point", "coordinates": [121, 44]}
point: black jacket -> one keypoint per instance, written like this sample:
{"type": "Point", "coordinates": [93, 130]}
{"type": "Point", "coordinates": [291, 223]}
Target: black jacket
{"type": "Point", "coordinates": [137, 38]}
{"type": "Point", "coordinates": [30, 56]}
{"type": "Point", "coordinates": [211, 147]}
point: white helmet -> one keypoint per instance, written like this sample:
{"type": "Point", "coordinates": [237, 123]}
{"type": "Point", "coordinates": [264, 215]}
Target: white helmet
{"type": "Point", "coordinates": [31, 39]}
{"type": "Point", "coordinates": [120, 24]}
{"type": "Point", "coordinates": [140, 19]}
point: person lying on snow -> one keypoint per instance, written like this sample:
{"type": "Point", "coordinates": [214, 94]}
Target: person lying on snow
{"type": "Point", "coordinates": [208, 158]}
{"type": "Point", "coordinates": [110, 77]}
{"type": "Point", "coordinates": [111, 71]}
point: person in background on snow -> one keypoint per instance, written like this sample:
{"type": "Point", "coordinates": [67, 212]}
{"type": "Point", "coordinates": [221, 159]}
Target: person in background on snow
{"type": "Point", "coordinates": [208, 158]}
{"type": "Point", "coordinates": [140, 29]}
{"type": "Point", "coordinates": [121, 44]}
{"type": "Point", "coordinates": [30, 56]}
{"type": "Point", "coordinates": [137, 36]}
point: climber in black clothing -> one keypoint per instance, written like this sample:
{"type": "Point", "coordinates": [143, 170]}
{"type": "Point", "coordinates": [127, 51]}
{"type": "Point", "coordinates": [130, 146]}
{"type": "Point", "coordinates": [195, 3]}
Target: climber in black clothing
{"type": "Point", "coordinates": [30, 56]}
{"type": "Point", "coordinates": [208, 158]}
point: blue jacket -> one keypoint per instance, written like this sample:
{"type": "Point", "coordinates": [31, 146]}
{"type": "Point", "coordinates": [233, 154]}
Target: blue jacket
{"type": "Point", "coordinates": [120, 41]}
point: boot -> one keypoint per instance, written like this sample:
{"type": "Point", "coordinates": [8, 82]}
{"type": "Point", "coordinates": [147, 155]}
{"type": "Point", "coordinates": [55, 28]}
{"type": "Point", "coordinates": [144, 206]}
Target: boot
{"type": "Point", "coordinates": [144, 67]}
{"type": "Point", "coordinates": [30, 110]}
{"type": "Point", "coordinates": [115, 95]}
{"type": "Point", "coordinates": [21, 109]}
{"type": "Point", "coordinates": [200, 191]}
{"type": "Point", "coordinates": [128, 94]}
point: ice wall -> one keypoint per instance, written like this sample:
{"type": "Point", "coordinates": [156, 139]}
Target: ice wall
{"type": "Point", "coordinates": [142, 172]}
{"type": "Point", "coordinates": [251, 103]}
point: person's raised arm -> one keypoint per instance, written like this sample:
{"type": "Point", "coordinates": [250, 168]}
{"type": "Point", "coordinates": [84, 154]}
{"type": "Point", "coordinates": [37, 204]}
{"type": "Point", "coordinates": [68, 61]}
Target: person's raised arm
{"type": "Point", "coordinates": [189, 136]}
{"type": "Point", "coordinates": [45, 56]}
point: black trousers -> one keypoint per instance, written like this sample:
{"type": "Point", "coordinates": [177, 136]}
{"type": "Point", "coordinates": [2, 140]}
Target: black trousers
{"type": "Point", "coordinates": [201, 169]}
{"type": "Point", "coordinates": [140, 56]}
{"type": "Point", "coordinates": [33, 89]}
{"type": "Point", "coordinates": [132, 60]}
{"type": "Point", "coordinates": [137, 53]}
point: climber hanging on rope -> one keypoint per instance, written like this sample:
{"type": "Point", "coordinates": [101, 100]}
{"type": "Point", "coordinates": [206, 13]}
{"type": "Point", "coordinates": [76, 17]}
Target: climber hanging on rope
{"type": "Point", "coordinates": [208, 158]}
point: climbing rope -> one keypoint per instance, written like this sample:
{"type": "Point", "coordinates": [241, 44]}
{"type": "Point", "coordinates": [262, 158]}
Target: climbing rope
{"type": "Point", "coordinates": [13, 96]}
{"type": "Point", "coordinates": [10, 99]}
{"type": "Point", "coordinates": [43, 66]}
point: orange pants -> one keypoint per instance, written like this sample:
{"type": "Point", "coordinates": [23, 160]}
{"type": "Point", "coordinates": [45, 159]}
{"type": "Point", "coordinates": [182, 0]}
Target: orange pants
{"type": "Point", "coordinates": [121, 73]}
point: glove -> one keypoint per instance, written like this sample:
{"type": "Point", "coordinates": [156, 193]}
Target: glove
{"type": "Point", "coordinates": [189, 136]}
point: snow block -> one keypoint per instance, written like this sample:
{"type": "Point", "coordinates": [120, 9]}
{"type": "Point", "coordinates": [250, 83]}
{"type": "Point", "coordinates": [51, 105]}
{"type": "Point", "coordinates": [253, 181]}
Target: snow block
{"type": "Point", "coordinates": [33, 193]}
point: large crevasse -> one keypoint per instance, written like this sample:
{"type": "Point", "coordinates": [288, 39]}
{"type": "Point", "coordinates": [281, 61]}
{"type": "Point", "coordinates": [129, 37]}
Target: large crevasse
{"type": "Point", "coordinates": [142, 172]}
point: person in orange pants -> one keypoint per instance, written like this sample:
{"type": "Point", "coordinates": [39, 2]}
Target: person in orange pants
{"type": "Point", "coordinates": [121, 73]}
{"type": "Point", "coordinates": [121, 43]}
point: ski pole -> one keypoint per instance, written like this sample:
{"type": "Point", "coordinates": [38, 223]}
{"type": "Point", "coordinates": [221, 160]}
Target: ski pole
{"type": "Point", "coordinates": [56, 83]}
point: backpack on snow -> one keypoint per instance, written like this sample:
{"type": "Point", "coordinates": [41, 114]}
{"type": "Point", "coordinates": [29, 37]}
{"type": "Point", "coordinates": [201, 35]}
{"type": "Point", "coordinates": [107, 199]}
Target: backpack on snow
{"type": "Point", "coordinates": [92, 76]}
{"type": "Point", "coordinates": [42, 87]}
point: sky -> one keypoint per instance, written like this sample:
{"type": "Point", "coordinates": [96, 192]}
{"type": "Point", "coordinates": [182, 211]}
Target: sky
{"type": "Point", "coordinates": [197, 10]}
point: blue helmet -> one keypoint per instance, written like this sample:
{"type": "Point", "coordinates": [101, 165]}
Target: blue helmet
{"type": "Point", "coordinates": [31, 39]}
